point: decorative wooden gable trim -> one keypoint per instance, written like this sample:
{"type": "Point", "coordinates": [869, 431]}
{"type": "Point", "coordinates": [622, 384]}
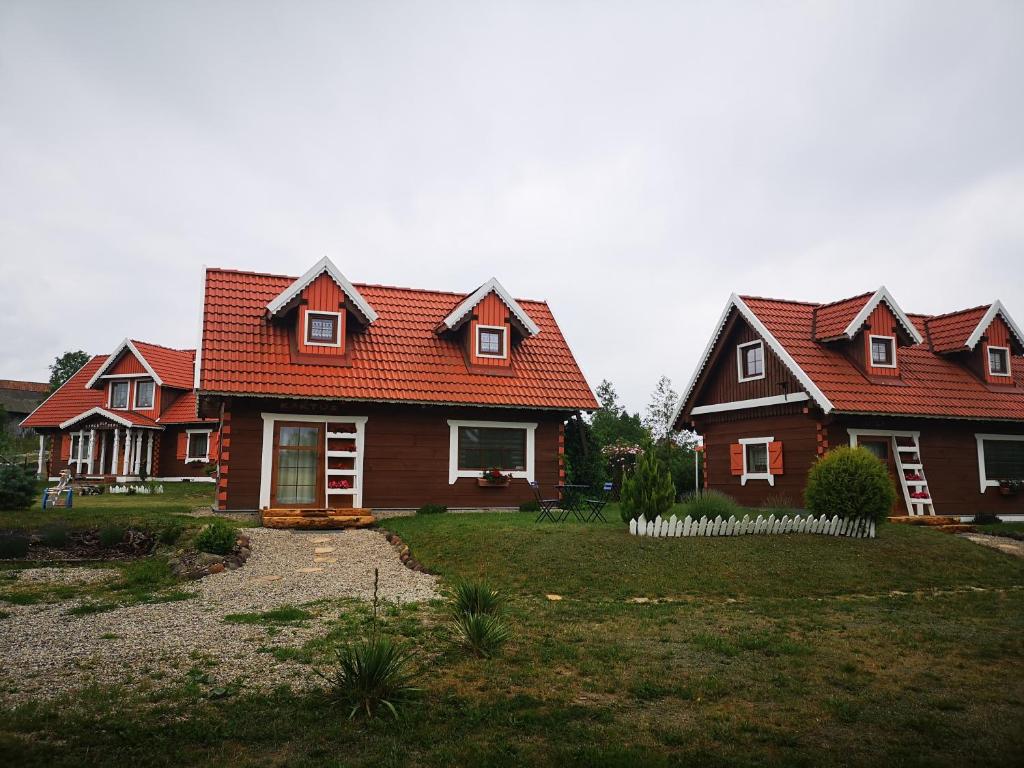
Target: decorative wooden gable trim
{"type": "Point", "coordinates": [109, 364]}
{"type": "Point", "coordinates": [458, 316]}
{"type": "Point", "coordinates": [996, 310]}
{"type": "Point", "coordinates": [862, 317]}
{"type": "Point", "coordinates": [285, 300]}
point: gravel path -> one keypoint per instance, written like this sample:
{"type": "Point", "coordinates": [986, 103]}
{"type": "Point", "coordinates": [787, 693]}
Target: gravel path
{"type": "Point", "coordinates": [47, 652]}
{"type": "Point", "coordinates": [1002, 543]}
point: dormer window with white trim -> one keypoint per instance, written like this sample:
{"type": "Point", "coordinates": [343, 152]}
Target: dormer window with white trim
{"type": "Point", "coordinates": [750, 361]}
{"type": "Point", "coordinates": [144, 395]}
{"type": "Point", "coordinates": [883, 351]}
{"type": "Point", "coordinates": [999, 361]}
{"type": "Point", "coordinates": [119, 394]}
{"type": "Point", "coordinates": [323, 329]}
{"type": "Point", "coordinates": [490, 341]}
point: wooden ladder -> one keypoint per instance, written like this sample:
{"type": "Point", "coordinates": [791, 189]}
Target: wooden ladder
{"type": "Point", "coordinates": [908, 462]}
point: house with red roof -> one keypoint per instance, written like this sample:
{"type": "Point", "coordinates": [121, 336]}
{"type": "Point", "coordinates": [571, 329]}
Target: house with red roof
{"type": "Point", "coordinates": [335, 398]}
{"type": "Point", "coordinates": [127, 415]}
{"type": "Point", "coordinates": [939, 399]}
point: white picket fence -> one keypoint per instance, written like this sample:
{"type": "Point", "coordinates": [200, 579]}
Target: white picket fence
{"type": "Point", "coordinates": [142, 489]}
{"type": "Point", "coordinates": [835, 526]}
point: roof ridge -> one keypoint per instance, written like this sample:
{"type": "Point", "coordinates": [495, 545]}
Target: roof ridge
{"type": "Point", "coordinates": [848, 298]}
{"type": "Point", "coordinates": [781, 301]}
{"type": "Point", "coordinates": [960, 311]}
{"type": "Point", "coordinates": [161, 346]}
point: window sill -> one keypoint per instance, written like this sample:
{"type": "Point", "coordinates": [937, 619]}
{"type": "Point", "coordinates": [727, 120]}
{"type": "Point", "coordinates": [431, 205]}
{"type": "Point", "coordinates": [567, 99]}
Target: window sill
{"type": "Point", "coordinates": [758, 476]}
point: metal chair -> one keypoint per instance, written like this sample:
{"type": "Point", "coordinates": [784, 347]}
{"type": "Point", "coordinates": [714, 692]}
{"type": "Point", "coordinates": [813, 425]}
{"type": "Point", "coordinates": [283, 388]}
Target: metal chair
{"type": "Point", "coordinates": [598, 504]}
{"type": "Point", "coordinates": [546, 505]}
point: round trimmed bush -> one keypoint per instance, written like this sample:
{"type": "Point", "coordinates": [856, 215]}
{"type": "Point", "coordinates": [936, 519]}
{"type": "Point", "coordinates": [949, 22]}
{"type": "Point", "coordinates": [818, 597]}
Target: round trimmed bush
{"type": "Point", "coordinates": [217, 538]}
{"type": "Point", "coordinates": [851, 483]}
{"type": "Point", "coordinates": [17, 487]}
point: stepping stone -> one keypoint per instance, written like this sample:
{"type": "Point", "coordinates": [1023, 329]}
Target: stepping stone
{"type": "Point", "coordinates": [325, 560]}
{"type": "Point", "coordinates": [322, 540]}
{"type": "Point", "coordinates": [322, 550]}
{"type": "Point", "coordinates": [553, 598]}
{"type": "Point", "coordinates": [310, 570]}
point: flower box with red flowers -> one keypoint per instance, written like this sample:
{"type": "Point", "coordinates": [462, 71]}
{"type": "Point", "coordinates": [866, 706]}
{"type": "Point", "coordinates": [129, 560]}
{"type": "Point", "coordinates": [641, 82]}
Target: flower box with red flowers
{"type": "Point", "coordinates": [339, 483]}
{"type": "Point", "coordinates": [920, 495]}
{"type": "Point", "coordinates": [915, 476]}
{"type": "Point", "coordinates": [494, 478]}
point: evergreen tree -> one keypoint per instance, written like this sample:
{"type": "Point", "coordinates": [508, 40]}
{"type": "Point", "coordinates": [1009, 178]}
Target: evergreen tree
{"type": "Point", "coordinates": [647, 490]}
{"type": "Point", "coordinates": [583, 461]}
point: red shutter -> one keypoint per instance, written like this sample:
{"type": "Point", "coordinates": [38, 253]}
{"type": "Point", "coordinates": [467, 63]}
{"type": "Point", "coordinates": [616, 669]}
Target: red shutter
{"type": "Point", "coordinates": [775, 458]}
{"type": "Point", "coordinates": [736, 458]}
{"type": "Point", "coordinates": [65, 447]}
{"type": "Point", "coordinates": [214, 447]}
{"type": "Point", "coordinates": [182, 445]}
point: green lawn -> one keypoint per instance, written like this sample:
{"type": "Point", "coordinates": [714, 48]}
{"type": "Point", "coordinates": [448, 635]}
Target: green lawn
{"type": "Point", "coordinates": [794, 650]}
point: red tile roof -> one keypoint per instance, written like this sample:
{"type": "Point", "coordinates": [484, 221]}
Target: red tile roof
{"type": "Point", "coordinates": [182, 410]}
{"type": "Point", "coordinates": [832, 319]}
{"type": "Point", "coordinates": [398, 358]}
{"type": "Point", "coordinates": [948, 333]}
{"type": "Point", "coordinates": [175, 367]}
{"type": "Point", "coordinates": [929, 384]}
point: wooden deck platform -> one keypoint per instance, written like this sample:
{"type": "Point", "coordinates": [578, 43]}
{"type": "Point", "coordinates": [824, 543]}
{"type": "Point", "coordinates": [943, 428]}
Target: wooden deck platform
{"type": "Point", "coordinates": [317, 519]}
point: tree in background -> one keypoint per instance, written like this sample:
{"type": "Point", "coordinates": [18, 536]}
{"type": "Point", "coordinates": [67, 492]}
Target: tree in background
{"type": "Point", "coordinates": [612, 423]}
{"type": "Point", "coordinates": [583, 461]}
{"type": "Point", "coordinates": [66, 366]}
{"type": "Point", "coordinates": [647, 490]}
{"type": "Point", "coordinates": [5, 435]}
{"type": "Point", "coordinates": [660, 410]}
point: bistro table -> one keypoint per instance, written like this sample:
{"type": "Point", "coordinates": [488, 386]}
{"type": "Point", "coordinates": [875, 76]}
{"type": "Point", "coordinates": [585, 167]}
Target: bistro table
{"type": "Point", "coordinates": [572, 500]}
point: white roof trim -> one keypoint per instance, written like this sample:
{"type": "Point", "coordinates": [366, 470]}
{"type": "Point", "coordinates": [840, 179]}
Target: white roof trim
{"type": "Point", "coordinates": [459, 313]}
{"type": "Point", "coordinates": [324, 265]}
{"type": "Point", "coordinates": [882, 294]}
{"type": "Point", "coordinates": [97, 411]}
{"type": "Point", "coordinates": [770, 340]}
{"type": "Point", "coordinates": [124, 345]}
{"type": "Point", "coordinates": [997, 308]}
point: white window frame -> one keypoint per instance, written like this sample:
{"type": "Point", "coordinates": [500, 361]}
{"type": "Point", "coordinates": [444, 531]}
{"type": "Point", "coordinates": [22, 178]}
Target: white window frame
{"type": "Point", "coordinates": [504, 341]}
{"type": "Point", "coordinates": [871, 353]}
{"type": "Point", "coordinates": [741, 360]}
{"type": "Point", "coordinates": [454, 473]}
{"type": "Point", "coordinates": [747, 475]}
{"type": "Point", "coordinates": [135, 396]}
{"type": "Point", "coordinates": [1005, 351]}
{"type": "Point", "coordinates": [983, 481]}
{"type": "Point", "coordinates": [188, 445]}
{"type": "Point", "coordinates": [127, 395]}
{"type": "Point", "coordinates": [305, 329]}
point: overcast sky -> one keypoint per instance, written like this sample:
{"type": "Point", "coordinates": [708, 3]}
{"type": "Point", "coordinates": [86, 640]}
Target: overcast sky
{"type": "Point", "coordinates": [633, 163]}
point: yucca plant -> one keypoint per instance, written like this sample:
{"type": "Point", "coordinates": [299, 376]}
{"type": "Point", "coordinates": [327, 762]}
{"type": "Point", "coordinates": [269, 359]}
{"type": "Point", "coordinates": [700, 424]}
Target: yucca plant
{"type": "Point", "coordinates": [480, 633]}
{"type": "Point", "coordinates": [373, 673]}
{"type": "Point", "coordinates": [477, 598]}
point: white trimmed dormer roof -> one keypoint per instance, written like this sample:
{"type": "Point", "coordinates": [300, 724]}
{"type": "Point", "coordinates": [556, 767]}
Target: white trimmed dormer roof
{"type": "Point", "coordinates": [997, 308]}
{"type": "Point", "coordinates": [325, 265]}
{"type": "Point", "coordinates": [829, 318]}
{"type": "Point", "coordinates": [882, 294]}
{"type": "Point", "coordinates": [461, 313]}
{"type": "Point", "coordinates": [109, 363]}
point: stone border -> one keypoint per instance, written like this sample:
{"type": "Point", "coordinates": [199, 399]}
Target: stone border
{"type": "Point", "coordinates": [404, 553]}
{"type": "Point", "coordinates": [206, 563]}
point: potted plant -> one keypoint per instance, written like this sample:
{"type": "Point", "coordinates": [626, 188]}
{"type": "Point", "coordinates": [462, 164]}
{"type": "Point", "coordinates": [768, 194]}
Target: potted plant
{"type": "Point", "coordinates": [1009, 487]}
{"type": "Point", "coordinates": [494, 478]}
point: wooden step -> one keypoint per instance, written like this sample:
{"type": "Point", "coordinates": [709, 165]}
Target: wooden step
{"type": "Point", "coordinates": [319, 523]}
{"type": "Point", "coordinates": [285, 512]}
{"type": "Point", "coordinates": [929, 520]}
{"type": "Point", "coordinates": [958, 528]}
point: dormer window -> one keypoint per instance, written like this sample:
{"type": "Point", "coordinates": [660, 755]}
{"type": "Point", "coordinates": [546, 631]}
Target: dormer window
{"type": "Point", "coordinates": [323, 329]}
{"type": "Point", "coordinates": [750, 361]}
{"type": "Point", "coordinates": [490, 341]}
{"type": "Point", "coordinates": [999, 361]}
{"type": "Point", "coordinates": [883, 351]}
{"type": "Point", "coordinates": [119, 394]}
{"type": "Point", "coordinates": [144, 391]}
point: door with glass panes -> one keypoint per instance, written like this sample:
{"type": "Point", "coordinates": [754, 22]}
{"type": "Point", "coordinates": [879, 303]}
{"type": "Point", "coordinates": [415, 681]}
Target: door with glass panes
{"type": "Point", "coordinates": [298, 472]}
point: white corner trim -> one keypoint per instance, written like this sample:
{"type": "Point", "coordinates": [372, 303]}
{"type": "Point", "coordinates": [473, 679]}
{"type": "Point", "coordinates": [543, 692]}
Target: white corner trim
{"type": "Point", "coordinates": [129, 346]}
{"type": "Point", "coordinates": [322, 266]}
{"type": "Point", "coordinates": [983, 481]}
{"type": "Point", "coordinates": [97, 411]}
{"type": "Point", "coordinates": [748, 475]}
{"type": "Point", "coordinates": [756, 402]}
{"type": "Point", "coordinates": [454, 473]}
{"type": "Point", "coordinates": [740, 361]}
{"type": "Point", "coordinates": [457, 314]}
{"type": "Point", "coordinates": [1009, 371]}
{"type": "Point", "coordinates": [188, 444]}
{"type": "Point", "coordinates": [267, 449]}
{"type": "Point", "coordinates": [305, 331]}
{"type": "Point", "coordinates": [735, 301]}
{"type": "Point", "coordinates": [504, 341]}
{"type": "Point", "coordinates": [997, 308]}
{"type": "Point", "coordinates": [135, 396]}
{"type": "Point", "coordinates": [882, 294]}
{"type": "Point", "coordinates": [871, 354]}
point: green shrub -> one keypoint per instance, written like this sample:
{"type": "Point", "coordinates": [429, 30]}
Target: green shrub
{"type": "Point", "coordinates": [477, 598]}
{"type": "Point", "coordinates": [851, 483]}
{"type": "Point", "coordinates": [13, 545]}
{"type": "Point", "coordinates": [371, 674]}
{"type": "Point", "coordinates": [710, 504]}
{"type": "Point", "coordinates": [986, 518]}
{"type": "Point", "coordinates": [17, 487]}
{"type": "Point", "coordinates": [217, 538]}
{"type": "Point", "coordinates": [170, 532]}
{"type": "Point", "coordinates": [479, 633]}
{"type": "Point", "coordinates": [432, 509]}
{"type": "Point", "coordinates": [530, 506]}
{"type": "Point", "coordinates": [55, 534]}
{"type": "Point", "coordinates": [112, 535]}
{"type": "Point", "coordinates": [647, 490]}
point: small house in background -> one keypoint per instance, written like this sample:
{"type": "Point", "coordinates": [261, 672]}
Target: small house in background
{"type": "Point", "coordinates": [335, 397]}
{"type": "Point", "coordinates": [19, 399]}
{"type": "Point", "coordinates": [128, 415]}
{"type": "Point", "coordinates": [939, 399]}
